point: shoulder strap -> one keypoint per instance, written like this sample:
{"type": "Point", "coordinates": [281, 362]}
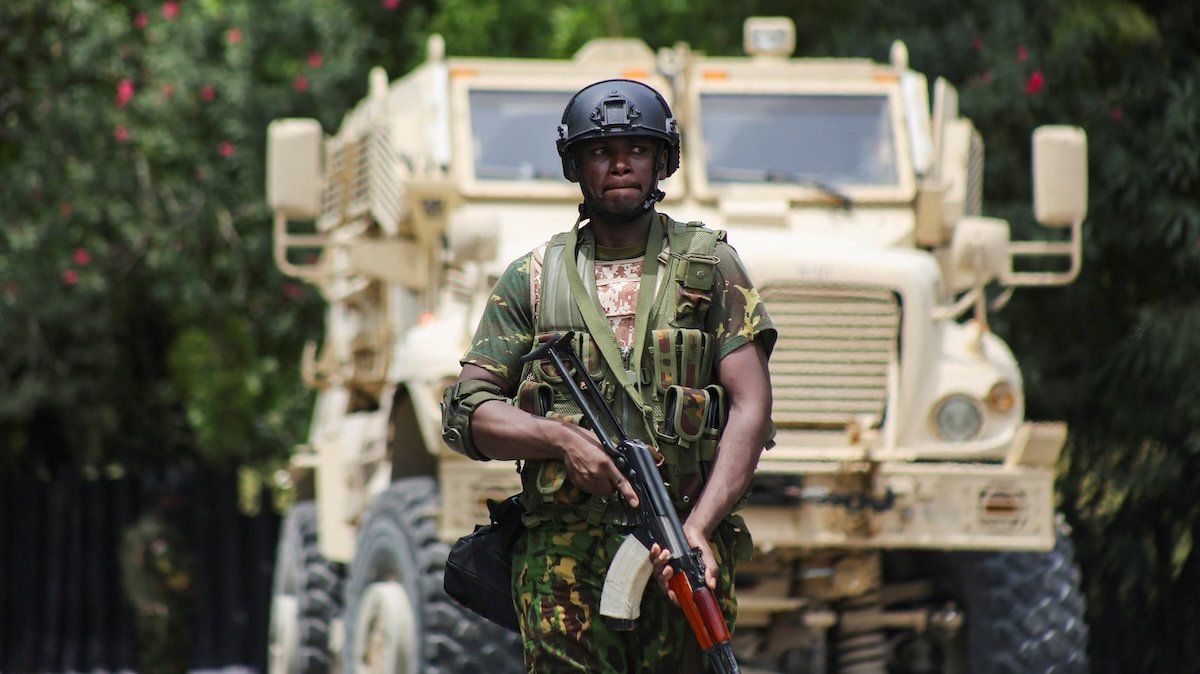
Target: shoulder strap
{"type": "Point", "coordinates": [598, 325]}
{"type": "Point", "coordinates": [558, 309]}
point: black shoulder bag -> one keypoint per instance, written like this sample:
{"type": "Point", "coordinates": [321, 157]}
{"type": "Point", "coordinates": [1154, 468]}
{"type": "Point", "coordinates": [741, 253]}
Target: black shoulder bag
{"type": "Point", "coordinates": [479, 568]}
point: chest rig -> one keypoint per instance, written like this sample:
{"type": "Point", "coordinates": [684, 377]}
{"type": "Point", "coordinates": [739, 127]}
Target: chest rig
{"type": "Point", "coordinates": [662, 389]}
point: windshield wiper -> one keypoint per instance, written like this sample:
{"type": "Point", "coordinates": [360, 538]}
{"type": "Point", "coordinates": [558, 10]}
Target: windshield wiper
{"type": "Point", "coordinates": [828, 189]}
{"type": "Point", "coordinates": [781, 176]}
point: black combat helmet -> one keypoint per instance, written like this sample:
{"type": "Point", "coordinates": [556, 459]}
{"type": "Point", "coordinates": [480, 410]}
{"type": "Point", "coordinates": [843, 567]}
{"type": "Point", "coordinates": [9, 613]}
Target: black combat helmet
{"type": "Point", "coordinates": [616, 108]}
{"type": "Point", "coordinates": [612, 108]}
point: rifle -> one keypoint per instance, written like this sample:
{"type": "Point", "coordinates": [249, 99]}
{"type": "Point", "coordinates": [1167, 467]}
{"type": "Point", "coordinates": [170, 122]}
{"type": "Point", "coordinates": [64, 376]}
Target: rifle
{"type": "Point", "coordinates": [655, 519]}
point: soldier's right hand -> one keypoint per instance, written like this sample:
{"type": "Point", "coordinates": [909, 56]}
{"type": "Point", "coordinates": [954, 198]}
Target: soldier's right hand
{"type": "Point", "coordinates": [589, 467]}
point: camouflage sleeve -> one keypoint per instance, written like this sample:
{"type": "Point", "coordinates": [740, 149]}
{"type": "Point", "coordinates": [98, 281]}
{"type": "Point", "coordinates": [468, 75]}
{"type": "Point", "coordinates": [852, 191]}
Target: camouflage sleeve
{"type": "Point", "coordinates": [737, 314]}
{"type": "Point", "coordinates": [505, 331]}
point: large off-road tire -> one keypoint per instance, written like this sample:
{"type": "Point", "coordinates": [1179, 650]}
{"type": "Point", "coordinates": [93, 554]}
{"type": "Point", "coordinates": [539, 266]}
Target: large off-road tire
{"type": "Point", "coordinates": [399, 620]}
{"type": "Point", "coordinates": [1024, 611]}
{"type": "Point", "coordinates": [305, 598]}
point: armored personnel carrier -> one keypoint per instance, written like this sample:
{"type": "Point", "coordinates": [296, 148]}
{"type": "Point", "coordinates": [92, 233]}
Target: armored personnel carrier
{"type": "Point", "coordinates": [904, 522]}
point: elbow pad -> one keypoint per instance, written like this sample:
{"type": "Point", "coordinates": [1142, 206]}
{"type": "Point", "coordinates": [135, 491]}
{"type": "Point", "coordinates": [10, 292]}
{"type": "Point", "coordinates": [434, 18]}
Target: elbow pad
{"type": "Point", "coordinates": [458, 404]}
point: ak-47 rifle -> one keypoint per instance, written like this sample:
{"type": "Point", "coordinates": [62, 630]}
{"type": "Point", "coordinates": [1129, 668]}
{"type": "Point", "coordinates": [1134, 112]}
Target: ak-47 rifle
{"type": "Point", "coordinates": [655, 519]}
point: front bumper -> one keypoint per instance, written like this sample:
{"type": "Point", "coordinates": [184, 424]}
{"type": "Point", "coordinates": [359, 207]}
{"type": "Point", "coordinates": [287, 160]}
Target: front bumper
{"type": "Point", "coordinates": [851, 498]}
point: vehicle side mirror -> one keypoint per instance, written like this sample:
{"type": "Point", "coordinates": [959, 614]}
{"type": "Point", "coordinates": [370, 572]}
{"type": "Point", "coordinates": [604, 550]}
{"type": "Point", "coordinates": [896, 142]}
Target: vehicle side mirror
{"type": "Point", "coordinates": [1059, 175]}
{"type": "Point", "coordinates": [294, 167]}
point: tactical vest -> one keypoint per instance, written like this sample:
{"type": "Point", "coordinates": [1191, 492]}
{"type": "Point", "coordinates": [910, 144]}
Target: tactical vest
{"type": "Point", "coordinates": [670, 400]}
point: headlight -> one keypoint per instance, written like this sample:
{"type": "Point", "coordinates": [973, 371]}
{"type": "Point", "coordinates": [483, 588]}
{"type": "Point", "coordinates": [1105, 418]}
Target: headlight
{"type": "Point", "coordinates": [957, 418]}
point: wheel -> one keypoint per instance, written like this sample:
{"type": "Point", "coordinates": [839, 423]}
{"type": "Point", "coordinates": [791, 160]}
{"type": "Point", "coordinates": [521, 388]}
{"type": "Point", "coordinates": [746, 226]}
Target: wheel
{"type": "Point", "coordinates": [306, 596]}
{"type": "Point", "coordinates": [399, 620]}
{"type": "Point", "coordinates": [1024, 611]}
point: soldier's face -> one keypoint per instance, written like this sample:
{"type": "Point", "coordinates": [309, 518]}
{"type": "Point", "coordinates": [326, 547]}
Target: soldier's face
{"type": "Point", "coordinates": [618, 171]}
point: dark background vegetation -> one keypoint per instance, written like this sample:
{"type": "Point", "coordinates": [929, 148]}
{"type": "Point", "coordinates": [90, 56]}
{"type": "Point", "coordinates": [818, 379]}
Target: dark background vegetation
{"type": "Point", "coordinates": [142, 322]}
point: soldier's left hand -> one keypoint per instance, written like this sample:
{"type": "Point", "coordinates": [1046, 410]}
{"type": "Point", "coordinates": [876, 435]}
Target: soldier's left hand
{"type": "Point", "coordinates": [661, 557]}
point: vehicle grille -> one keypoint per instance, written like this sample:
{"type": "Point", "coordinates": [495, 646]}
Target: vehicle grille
{"type": "Point", "coordinates": [361, 179]}
{"type": "Point", "coordinates": [830, 365]}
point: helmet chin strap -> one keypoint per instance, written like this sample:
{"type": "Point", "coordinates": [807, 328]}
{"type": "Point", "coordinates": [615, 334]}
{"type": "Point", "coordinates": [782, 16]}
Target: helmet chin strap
{"type": "Point", "coordinates": [591, 206]}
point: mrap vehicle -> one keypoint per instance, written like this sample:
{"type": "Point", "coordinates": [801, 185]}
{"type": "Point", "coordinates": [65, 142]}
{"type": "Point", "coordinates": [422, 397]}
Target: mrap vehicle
{"type": "Point", "coordinates": [903, 522]}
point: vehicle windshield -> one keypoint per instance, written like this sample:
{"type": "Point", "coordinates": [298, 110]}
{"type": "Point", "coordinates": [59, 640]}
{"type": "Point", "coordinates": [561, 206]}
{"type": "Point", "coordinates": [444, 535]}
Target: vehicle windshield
{"type": "Point", "coordinates": [514, 133]}
{"type": "Point", "coordinates": [802, 139]}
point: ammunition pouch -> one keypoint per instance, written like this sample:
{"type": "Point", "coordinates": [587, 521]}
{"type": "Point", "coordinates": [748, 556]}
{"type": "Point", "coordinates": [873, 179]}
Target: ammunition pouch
{"type": "Point", "coordinates": [534, 397]}
{"type": "Point", "coordinates": [686, 411]}
{"type": "Point", "coordinates": [682, 356]}
{"type": "Point", "coordinates": [691, 428]}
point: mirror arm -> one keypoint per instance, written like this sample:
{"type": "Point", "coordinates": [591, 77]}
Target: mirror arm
{"type": "Point", "coordinates": [1072, 249]}
{"type": "Point", "coordinates": [283, 241]}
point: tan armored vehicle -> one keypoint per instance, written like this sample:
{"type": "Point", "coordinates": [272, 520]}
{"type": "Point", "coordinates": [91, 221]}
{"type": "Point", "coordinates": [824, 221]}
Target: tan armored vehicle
{"type": "Point", "coordinates": [905, 520]}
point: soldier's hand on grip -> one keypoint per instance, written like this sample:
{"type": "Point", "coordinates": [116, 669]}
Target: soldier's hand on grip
{"type": "Point", "coordinates": [590, 468]}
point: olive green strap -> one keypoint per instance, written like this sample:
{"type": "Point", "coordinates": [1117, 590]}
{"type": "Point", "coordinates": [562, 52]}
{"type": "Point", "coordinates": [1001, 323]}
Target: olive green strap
{"type": "Point", "coordinates": [645, 301]}
{"type": "Point", "coordinates": [600, 328]}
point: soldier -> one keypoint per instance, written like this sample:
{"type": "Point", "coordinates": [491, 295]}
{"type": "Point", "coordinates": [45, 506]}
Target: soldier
{"type": "Point", "coordinates": [682, 362]}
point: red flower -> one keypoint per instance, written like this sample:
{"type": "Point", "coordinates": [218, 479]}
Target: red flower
{"type": "Point", "coordinates": [1035, 83]}
{"type": "Point", "coordinates": [292, 291]}
{"type": "Point", "coordinates": [208, 93]}
{"type": "Point", "coordinates": [233, 35]}
{"type": "Point", "coordinates": [225, 149]}
{"type": "Point", "coordinates": [66, 209]}
{"type": "Point", "coordinates": [170, 9]}
{"type": "Point", "coordinates": [300, 83]}
{"type": "Point", "coordinates": [1117, 113]}
{"type": "Point", "coordinates": [1022, 53]}
{"type": "Point", "coordinates": [124, 93]}
{"type": "Point", "coordinates": [70, 277]}
{"type": "Point", "coordinates": [81, 257]}
{"type": "Point", "coordinates": [391, 4]}
{"type": "Point", "coordinates": [315, 60]}
{"type": "Point", "coordinates": [141, 21]}
{"type": "Point", "coordinates": [168, 90]}
{"type": "Point", "coordinates": [121, 134]}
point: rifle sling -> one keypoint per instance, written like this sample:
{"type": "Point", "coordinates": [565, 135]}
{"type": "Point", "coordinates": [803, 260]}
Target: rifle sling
{"type": "Point", "coordinates": [601, 329]}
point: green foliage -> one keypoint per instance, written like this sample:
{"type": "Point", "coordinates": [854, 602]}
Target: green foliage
{"type": "Point", "coordinates": [141, 316]}
{"type": "Point", "coordinates": [536, 28]}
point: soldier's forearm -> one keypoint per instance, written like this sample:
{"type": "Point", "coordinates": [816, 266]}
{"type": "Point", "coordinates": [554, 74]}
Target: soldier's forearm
{"type": "Point", "coordinates": [505, 432]}
{"type": "Point", "coordinates": [744, 375]}
{"type": "Point", "coordinates": [737, 457]}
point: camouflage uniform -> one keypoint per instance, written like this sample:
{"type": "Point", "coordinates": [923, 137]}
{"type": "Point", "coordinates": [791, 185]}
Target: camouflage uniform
{"type": "Point", "coordinates": [559, 565]}
{"type": "Point", "coordinates": [558, 573]}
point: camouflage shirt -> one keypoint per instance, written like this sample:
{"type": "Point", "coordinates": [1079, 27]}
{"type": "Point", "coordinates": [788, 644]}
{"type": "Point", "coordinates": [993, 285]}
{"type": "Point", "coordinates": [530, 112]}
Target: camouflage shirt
{"type": "Point", "coordinates": [736, 316]}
